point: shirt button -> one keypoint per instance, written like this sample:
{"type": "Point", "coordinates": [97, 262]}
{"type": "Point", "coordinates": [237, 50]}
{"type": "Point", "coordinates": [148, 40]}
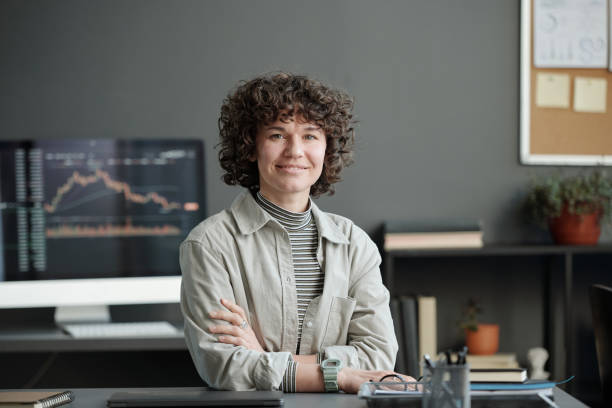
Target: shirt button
{"type": "Point", "coordinates": [309, 324]}
{"type": "Point", "coordinates": [289, 279]}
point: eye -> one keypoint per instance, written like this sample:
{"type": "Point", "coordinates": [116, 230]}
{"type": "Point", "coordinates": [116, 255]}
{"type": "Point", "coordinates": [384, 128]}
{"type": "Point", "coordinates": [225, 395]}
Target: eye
{"type": "Point", "coordinates": [310, 137]}
{"type": "Point", "coordinates": [276, 136]}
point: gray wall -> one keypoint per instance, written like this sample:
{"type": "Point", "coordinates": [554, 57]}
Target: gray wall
{"type": "Point", "coordinates": [436, 84]}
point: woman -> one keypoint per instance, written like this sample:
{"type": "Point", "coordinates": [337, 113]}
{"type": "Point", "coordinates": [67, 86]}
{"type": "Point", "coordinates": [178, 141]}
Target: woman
{"type": "Point", "coordinates": [276, 293]}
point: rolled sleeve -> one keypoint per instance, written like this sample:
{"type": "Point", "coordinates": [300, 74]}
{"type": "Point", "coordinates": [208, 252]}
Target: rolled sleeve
{"type": "Point", "coordinates": [270, 370]}
{"type": "Point", "coordinates": [347, 354]}
{"type": "Point", "coordinates": [223, 366]}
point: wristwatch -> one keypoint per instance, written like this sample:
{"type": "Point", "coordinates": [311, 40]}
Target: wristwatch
{"type": "Point", "coordinates": [331, 367]}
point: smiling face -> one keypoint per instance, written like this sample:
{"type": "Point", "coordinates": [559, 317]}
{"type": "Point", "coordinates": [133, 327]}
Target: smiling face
{"type": "Point", "coordinates": [290, 153]}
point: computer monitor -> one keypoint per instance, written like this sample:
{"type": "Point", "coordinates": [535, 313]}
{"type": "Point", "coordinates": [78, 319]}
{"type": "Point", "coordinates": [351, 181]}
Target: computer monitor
{"type": "Point", "coordinates": [89, 223]}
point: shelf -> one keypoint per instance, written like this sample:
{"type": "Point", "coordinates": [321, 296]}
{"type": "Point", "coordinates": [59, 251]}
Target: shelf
{"type": "Point", "coordinates": [54, 340]}
{"type": "Point", "coordinates": [554, 303]}
{"type": "Point", "coordinates": [500, 250]}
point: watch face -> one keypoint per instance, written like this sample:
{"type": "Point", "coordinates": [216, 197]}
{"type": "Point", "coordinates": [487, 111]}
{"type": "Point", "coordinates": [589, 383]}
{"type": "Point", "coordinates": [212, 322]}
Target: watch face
{"type": "Point", "coordinates": [331, 363]}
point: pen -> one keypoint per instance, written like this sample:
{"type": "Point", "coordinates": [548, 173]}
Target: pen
{"type": "Point", "coordinates": [428, 361]}
{"type": "Point", "coordinates": [462, 355]}
{"type": "Point", "coordinates": [449, 361]}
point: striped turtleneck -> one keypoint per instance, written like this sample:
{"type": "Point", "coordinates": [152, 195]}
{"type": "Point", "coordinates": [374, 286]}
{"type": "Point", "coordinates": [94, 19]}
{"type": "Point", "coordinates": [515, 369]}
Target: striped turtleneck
{"type": "Point", "coordinates": [303, 236]}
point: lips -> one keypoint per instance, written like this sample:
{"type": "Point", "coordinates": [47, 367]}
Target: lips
{"type": "Point", "coordinates": [291, 167]}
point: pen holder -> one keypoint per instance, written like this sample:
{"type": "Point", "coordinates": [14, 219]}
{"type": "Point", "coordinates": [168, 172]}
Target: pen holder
{"type": "Point", "coordinates": [446, 386]}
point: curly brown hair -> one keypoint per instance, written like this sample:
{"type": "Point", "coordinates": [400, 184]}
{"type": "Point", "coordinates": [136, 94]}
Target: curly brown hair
{"type": "Point", "coordinates": [261, 101]}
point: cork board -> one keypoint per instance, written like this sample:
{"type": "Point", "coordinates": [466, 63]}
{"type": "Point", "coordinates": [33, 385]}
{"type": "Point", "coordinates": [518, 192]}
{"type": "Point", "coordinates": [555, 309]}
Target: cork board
{"type": "Point", "coordinates": [560, 136]}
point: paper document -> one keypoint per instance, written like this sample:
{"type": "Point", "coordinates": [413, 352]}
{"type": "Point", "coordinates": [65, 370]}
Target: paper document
{"type": "Point", "coordinates": [590, 95]}
{"type": "Point", "coordinates": [570, 34]}
{"type": "Point", "coordinates": [552, 90]}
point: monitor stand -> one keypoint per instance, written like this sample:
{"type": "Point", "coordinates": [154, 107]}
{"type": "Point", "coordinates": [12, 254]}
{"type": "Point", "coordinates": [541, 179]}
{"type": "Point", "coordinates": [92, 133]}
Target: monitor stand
{"type": "Point", "coordinates": [82, 314]}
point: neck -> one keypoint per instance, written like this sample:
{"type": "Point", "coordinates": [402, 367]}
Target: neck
{"type": "Point", "coordinates": [294, 202]}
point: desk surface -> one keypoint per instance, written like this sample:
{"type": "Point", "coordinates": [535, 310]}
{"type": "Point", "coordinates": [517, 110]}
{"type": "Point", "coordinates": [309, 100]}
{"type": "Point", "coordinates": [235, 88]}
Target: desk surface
{"type": "Point", "coordinates": [96, 398]}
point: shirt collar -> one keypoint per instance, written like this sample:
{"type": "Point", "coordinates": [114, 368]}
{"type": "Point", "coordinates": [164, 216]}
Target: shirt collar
{"type": "Point", "coordinates": [250, 217]}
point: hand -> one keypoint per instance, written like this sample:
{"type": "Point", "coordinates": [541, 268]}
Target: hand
{"type": "Point", "coordinates": [350, 379]}
{"type": "Point", "coordinates": [234, 333]}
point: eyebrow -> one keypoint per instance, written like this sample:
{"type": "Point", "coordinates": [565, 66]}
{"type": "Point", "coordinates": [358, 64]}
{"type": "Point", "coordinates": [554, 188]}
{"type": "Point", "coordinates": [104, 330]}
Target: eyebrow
{"type": "Point", "coordinates": [282, 128]}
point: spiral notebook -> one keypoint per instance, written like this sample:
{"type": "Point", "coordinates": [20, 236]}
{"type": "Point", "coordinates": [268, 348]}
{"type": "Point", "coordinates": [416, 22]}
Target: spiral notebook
{"type": "Point", "coordinates": [34, 399]}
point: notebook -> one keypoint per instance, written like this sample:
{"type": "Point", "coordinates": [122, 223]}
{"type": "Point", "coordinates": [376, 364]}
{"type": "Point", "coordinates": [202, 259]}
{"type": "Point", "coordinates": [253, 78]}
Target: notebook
{"type": "Point", "coordinates": [194, 397]}
{"type": "Point", "coordinates": [34, 399]}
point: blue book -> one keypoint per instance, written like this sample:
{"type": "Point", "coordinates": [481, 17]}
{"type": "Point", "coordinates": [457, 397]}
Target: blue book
{"type": "Point", "coordinates": [528, 385]}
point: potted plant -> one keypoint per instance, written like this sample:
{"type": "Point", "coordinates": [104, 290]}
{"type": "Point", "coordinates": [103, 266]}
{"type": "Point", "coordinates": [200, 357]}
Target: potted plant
{"type": "Point", "coordinates": [480, 338]}
{"type": "Point", "coordinates": [572, 207]}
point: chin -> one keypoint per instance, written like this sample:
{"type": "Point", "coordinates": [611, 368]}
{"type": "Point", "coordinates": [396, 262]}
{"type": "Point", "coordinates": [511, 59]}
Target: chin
{"type": "Point", "coordinates": [293, 189]}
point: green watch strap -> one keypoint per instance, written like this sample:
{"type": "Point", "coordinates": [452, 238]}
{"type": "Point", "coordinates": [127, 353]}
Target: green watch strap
{"type": "Point", "coordinates": [331, 367]}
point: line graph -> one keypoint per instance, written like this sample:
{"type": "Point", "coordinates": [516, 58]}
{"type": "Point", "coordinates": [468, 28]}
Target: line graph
{"type": "Point", "coordinates": [126, 229]}
{"type": "Point", "coordinates": [118, 186]}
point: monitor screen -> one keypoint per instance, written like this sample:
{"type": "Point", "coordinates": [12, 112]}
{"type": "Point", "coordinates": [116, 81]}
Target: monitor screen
{"type": "Point", "coordinates": [77, 209]}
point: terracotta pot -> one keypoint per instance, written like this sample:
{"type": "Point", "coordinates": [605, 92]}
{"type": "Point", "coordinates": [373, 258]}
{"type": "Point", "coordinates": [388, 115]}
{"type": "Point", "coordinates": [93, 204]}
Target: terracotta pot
{"type": "Point", "coordinates": [573, 229]}
{"type": "Point", "coordinates": [483, 341]}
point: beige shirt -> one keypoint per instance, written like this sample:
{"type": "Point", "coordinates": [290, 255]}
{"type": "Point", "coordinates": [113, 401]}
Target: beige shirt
{"type": "Point", "coordinates": [243, 254]}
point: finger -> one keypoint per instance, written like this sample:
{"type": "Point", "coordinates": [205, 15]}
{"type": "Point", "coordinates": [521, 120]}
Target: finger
{"type": "Point", "coordinates": [406, 378]}
{"type": "Point", "coordinates": [230, 317]}
{"type": "Point", "coordinates": [226, 329]}
{"type": "Point", "coordinates": [233, 307]}
{"type": "Point", "coordinates": [236, 341]}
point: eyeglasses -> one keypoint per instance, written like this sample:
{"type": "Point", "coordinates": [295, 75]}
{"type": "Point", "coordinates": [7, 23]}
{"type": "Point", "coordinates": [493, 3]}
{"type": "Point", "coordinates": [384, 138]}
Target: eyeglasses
{"type": "Point", "coordinates": [394, 382]}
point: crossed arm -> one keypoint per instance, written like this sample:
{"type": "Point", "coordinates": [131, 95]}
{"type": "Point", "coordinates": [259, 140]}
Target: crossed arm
{"type": "Point", "coordinates": [309, 377]}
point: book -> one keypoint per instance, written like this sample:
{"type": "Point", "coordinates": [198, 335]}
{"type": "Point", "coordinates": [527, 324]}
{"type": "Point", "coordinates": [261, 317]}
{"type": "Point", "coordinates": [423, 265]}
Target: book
{"type": "Point", "coordinates": [427, 326]}
{"type": "Point", "coordinates": [396, 315]}
{"type": "Point", "coordinates": [432, 235]}
{"type": "Point", "coordinates": [433, 240]}
{"type": "Point", "coordinates": [526, 386]}
{"type": "Point", "coordinates": [498, 375]}
{"type": "Point", "coordinates": [497, 360]}
{"type": "Point", "coordinates": [391, 227]}
{"type": "Point", "coordinates": [34, 399]}
{"type": "Point", "coordinates": [411, 335]}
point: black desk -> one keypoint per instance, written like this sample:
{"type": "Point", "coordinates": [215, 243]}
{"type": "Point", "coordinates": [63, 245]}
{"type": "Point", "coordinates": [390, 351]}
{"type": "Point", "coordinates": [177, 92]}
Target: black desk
{"type": "Point", "coordinates": [96, 398]}
{"type": "Point", "coordinates": [48, 358]}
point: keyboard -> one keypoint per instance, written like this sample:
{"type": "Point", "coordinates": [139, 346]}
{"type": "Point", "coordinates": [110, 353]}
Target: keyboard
{"type": "Point", "coordinates": [123, 329]}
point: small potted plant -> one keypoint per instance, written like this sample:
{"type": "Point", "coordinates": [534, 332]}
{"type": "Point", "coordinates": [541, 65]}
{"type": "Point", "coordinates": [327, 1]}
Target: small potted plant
{"type": "Point", "coordinates": [572, 207]}
{"type": "Point", "coordinates": [480, 338]}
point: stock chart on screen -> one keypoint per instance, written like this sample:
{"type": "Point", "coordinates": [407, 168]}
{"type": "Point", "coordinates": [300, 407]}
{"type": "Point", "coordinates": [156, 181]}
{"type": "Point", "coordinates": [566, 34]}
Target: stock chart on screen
{"type": "Point", "coordinates": [80, 208]}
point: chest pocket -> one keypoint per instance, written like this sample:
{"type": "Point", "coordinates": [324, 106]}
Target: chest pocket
{"type": "Point", "coordinates": [338, 320]}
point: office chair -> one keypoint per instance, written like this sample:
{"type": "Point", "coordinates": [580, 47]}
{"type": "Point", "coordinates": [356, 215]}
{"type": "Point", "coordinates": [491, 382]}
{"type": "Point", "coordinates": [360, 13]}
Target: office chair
{"type": "Point", "coordinates": [601, 307]}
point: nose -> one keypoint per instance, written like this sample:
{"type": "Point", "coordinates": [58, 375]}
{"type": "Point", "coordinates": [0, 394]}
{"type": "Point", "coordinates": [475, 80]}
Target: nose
{"type": "Point", "coordinates": [294, 147]}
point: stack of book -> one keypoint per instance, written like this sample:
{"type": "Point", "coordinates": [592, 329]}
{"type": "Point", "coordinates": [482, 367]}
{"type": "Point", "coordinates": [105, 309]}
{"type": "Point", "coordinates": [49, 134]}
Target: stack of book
{"type": "Point", "coordinates": [414, 320]}
{"type": "Point", "coordinates": [497, 360]}
{"type": "Point", "coordinates": [432, 235]}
